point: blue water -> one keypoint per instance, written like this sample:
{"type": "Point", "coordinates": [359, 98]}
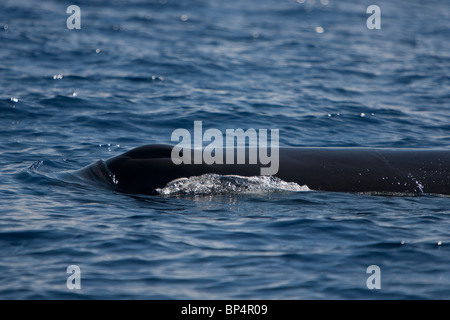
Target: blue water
{"type": "Point", "coordinates": [137, 70]}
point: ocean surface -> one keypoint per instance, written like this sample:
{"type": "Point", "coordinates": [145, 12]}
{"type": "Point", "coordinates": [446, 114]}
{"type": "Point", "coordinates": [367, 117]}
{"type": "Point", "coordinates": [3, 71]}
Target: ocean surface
{"type": "Point", "coordinates": [137, 70]}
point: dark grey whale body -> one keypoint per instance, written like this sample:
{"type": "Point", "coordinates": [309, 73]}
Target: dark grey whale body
{"type": "Point", "coordinates": [383, 171]}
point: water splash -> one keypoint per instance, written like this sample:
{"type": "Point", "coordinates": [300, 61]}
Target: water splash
{"type": "Point", "coordinates": [208, 184]}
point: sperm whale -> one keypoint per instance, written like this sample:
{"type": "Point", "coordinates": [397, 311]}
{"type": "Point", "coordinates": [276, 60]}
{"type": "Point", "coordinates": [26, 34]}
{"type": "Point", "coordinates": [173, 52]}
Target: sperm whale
{"type": "Point", "coordinates": [361, 170]}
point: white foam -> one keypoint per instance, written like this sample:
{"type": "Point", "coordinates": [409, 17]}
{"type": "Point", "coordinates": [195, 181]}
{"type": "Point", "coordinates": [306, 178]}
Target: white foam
{"type": "Point", "coordinates": [208, 184]}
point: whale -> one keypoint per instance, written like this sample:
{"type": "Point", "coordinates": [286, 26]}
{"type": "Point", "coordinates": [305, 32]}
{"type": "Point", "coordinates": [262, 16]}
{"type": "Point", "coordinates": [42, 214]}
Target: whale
{"type": "Point", "coordinates": [145, 169]}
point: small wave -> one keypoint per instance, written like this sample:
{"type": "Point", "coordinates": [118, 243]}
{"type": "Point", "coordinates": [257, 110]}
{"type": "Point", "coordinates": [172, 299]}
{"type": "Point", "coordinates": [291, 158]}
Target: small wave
{"type": "Point", "coordinates": [96, 173]}
{"type": "Point", "coordinates": [55, 173]}
{"type": "Point", "coordinates": [209, 184]}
